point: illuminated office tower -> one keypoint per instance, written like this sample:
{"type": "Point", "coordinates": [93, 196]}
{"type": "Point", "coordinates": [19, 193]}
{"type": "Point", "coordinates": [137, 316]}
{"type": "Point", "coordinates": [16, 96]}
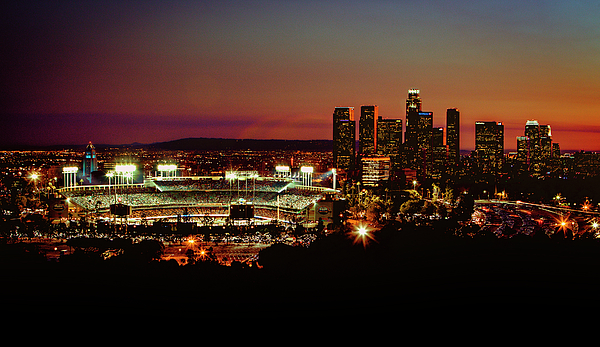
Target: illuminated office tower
{"type": "Point", "coordinates": [90, 163]}
{"type": "Point", "coordinates": [417, 141]}
{"type": "Point", "coordinates": [555, 150]}
{"type": "Point", "coordinates": [375, 170]}
{"type": "Point", "coordinates": [344, 138]}
{"type": "Point", "coordinates": [439, 153]}
{"type": "Point", "coordinates": [489, 145]}
{"type": "Point", "coordinates": [523, 150]}
{"type": "Point", "coordinates": [413, 102]}
{"type": "Point", "coordinates": [532, 131]}
{"type": "Point", "coordinates": [389, 140]}
{"type": "Point", "coordinates": [367, 130]}
{"type": "Point", "coordinates": [413, 107]}
{"type": "Point", "coordinates": [424, 144]}
{"type": "Point", "coordinates": [545, 143]}
{"type": "Point", "coordinates": [453, 137]}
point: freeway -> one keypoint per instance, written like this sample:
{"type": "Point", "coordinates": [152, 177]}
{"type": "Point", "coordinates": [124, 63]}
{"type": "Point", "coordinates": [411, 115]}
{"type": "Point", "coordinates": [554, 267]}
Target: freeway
{"type": "Point", "coordinates": [508, 218]}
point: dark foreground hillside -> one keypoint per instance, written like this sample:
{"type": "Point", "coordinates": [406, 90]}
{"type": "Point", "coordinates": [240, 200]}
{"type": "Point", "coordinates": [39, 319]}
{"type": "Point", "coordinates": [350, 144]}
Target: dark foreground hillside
{"type": "Point", "coordinates": [404, 271]}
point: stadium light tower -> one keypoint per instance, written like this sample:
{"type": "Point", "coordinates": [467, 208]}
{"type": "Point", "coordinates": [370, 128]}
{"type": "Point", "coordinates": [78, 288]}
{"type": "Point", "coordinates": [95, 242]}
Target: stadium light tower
{"type": "Point", "coordinates": [111, 175]}
{"type": "Point", "coordinates": [125, 171]}
{"type": "Point", "coordinates": [306, 175]}
{"type": "Point", "coordinates": [168, 170]}
{"type": "Point", "coordinates": [283, 171]}
{"type": "Point", "coordinates": [334, 171]}
{"type": "Point", "coordinates": [70, 176]}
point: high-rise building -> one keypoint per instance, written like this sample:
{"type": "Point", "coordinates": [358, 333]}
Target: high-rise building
{"type": "Point", "coordinates": [344, 138]}
{"type": "Point", "coordinates": [367, 130]}
{"type": "Point", "coordinates": [90, 163]}
{"type": "Point", "coordinates": [413, 102]}
{"type": "Point", "coordinates": [523, 150]}
{"type": "Point", "coordinates": [532, 131]}
{"type": "Point", "coordinates": [410, 148]}
{"type": "Point", "coordinates": [555, 150]}
{"type": "Point", "coordinates": [417, 141]}
{"type": "Point", "coordinates": [439, 153]}
{"type": "Point", "coordinates": [489, 145]}
{"type": "Point", "coordinates": [453, 137]}
{"type": "Point", "coordinates": [389, 140]}
{"type": "Point", "coordinates": [424, 145]}
{"type": "Point", "coordinates": [375, 170]}
{"type": "Point", "coordinates": [545, 143]}
{"type": "Point", "coordinates": [539, 149]}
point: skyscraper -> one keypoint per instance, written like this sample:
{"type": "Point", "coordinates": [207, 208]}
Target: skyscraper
{"type": "Point", "coordinates": [413, 102]}
{"type": "Point", "coordinates": [523, 151]}
{"type": "Point", "coordinates": [545, 143]}
{"type": "Point", "coordinates": [367, 130]}
{"type": "Point", "coordinates": [344, 138]}
{"type": "Point", "coordinates": [453, 137]}
{"type": "Point", "coordinates": [439, 153]}
{"type": "Point", "coordinates": [375, 170]}
{"type": "Point", "coordinates": [424, 144]}
{"type": "Point", "coordinates": [489, 145]}
{"type": "Point", "coordinates": [389, 140]}
{"type": "Point", "coordinates": [417, 141]}
{"type": "Point", "coordinates": [532, 131]}
{"type": "Point", "coordinates": [90, 163]}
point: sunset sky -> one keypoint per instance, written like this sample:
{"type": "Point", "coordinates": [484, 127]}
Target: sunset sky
{"type": "Point", "coordinates": [115, 72]}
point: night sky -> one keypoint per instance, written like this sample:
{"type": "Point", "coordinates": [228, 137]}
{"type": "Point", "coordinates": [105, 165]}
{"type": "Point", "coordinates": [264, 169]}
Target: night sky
{"type": "Point", "coordinates": [115, 72]}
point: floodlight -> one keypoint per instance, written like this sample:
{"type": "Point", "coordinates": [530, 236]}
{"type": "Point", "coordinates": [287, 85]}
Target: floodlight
{"type": "Point", "coordinates": [167, 167]}
{"type": "Point", "coordinates": [125, 168]}
{"type": "Point", "coordinates": [70, 169]}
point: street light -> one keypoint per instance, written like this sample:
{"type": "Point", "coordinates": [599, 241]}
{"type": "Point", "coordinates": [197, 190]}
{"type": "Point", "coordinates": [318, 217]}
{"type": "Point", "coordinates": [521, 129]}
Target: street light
{"type": "Point", "coordinates": [34, 177]}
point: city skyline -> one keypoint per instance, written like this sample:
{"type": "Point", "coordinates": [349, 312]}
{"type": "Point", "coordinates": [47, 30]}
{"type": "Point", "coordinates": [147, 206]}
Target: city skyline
{"type": "Point", "coordinates": [115, 73]}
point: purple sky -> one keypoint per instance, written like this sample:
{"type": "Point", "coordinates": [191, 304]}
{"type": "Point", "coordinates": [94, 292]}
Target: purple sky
{"type": "Point", "coordinates": [145, 71]}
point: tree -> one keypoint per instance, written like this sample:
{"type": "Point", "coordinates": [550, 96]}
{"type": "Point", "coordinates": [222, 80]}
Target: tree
{"type": "Point", "coordinates": [149, 249]}
{"type": "Point", "coordinates": [411, 207]}
{"type": "Point", "coordinates": [464, 207]}
{"type": "Point", "coordinates": [449, 195]}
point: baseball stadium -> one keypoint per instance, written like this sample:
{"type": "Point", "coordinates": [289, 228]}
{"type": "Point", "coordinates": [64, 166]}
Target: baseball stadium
{"type": "Point", "coordinates": [239, 197]}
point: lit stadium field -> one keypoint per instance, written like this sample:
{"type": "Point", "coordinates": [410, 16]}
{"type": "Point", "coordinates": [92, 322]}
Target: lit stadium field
{"type": "Point", "coordinates": [206, 200]}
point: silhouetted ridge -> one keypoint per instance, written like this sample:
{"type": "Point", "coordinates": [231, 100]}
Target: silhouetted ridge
{"type": "Point", "coordinates": [245, 144]}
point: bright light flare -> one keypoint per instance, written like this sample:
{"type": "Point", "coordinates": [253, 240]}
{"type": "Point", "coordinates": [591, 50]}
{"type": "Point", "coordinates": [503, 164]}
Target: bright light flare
{"type": "Point", "coordinates": [362, 230]}
{"type": "Point", "coordinates": [564, 224]}
{"type": "Point", "coordinates": [362, 234]}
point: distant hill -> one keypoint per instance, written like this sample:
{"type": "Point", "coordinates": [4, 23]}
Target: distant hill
{"type": "Point", "coordinates": [244, 144]}
{"type": "Point", "coordinates": [199, 144]}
